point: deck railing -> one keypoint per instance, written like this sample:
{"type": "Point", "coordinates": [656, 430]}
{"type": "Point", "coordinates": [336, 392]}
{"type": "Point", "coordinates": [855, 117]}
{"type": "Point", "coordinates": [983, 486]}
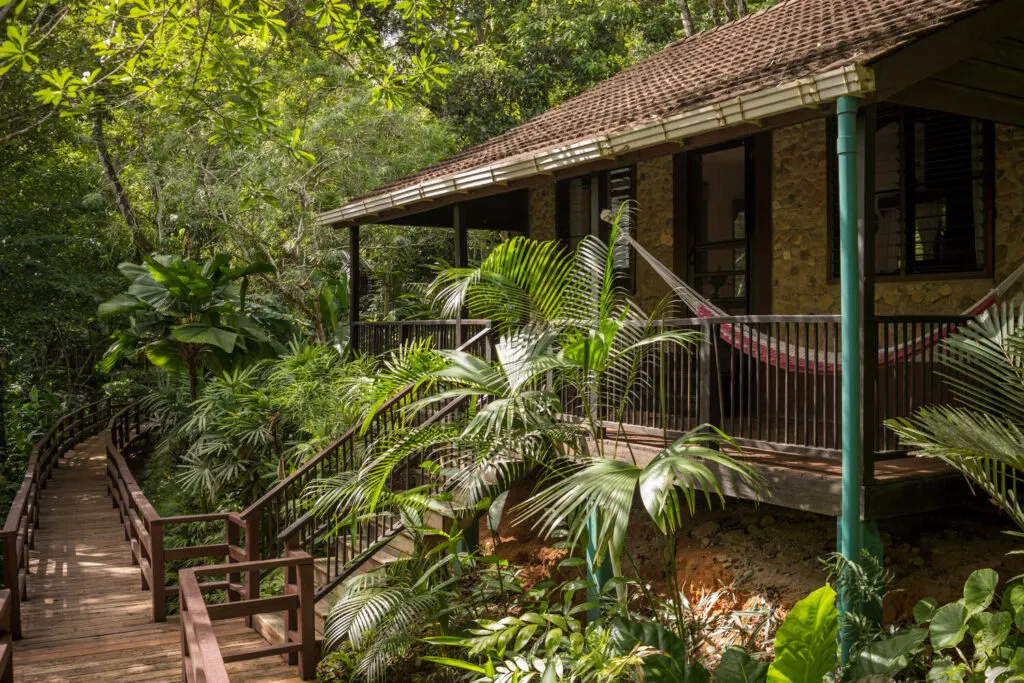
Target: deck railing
{"type": "Point", "coordinates": [775, 381]}
{"type": "Point", "coordinates": [375, 338]}
{"type": "Point", "coordinates": [202, 658]}
{"type": "Point", "coordinates": [6, 636]}
{"type": "Point", "coordinates": [23, 518]}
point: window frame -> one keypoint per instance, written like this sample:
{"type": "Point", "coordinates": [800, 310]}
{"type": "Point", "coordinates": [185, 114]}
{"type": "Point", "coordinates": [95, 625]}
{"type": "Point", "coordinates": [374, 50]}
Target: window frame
{"type": "Point", "coordinates": [988, 173]}
{"type": "Point", "coordinates": [562, 211]}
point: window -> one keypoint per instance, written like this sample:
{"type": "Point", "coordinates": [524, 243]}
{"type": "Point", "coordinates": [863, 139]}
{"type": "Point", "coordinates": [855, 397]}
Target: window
{"type": "Point", "coordinates": [932, 193]}
{"type": "Point", "coordinates": [575, 204]}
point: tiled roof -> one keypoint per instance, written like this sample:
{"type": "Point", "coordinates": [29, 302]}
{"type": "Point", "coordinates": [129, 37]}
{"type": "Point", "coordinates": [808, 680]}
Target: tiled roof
{"type": "Point", "coordinates": [790, 40]}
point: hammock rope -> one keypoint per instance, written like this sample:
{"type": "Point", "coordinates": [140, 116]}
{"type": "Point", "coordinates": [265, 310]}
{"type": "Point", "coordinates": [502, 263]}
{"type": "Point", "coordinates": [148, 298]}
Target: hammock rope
{"type": "Point", "coordinates": [783, 354]}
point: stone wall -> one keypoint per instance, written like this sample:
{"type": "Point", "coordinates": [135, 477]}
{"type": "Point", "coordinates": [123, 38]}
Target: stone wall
{"type": "Point", "coordinates": [800, 274]}
{"type": "Point", "coordinates": [542, 212]}
{"type": "Point", "coordinates": [654, 227]}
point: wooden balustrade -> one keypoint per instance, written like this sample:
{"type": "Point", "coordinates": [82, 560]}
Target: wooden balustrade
{"type": "Point", "coordinates": [18, 535]}
{"type": "Point", "coordinates": [775, 382]}
{"type": "Point", "coordinates": [6, 636]}
{"type": "Point", "coordinates": [281, 518]}
{"type": "Point", "coordinates": [145, 528]}
{"type": "Point", "coordinates": [202, 659]}
{"type": "Point", "coordinates": [375, 338]}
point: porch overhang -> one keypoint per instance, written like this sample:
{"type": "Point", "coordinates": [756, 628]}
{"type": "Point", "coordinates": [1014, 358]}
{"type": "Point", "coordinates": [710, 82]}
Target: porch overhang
{"type": "Point", "coordinates": [686, 129]}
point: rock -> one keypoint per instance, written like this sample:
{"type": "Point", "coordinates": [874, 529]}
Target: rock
{"type": "Point", "coordinates": [767, 521]}
{"type": "Point", "coordinates": [704, 530]}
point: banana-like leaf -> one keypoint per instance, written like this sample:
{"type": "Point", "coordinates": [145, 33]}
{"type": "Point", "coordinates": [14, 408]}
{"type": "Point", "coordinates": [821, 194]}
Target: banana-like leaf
{"type": "Point", "coordinates": [805, 644]}
{"type": "Point", "coordinates": [197, 333]}
{"type": "Point", "coordinates": [120, 303]}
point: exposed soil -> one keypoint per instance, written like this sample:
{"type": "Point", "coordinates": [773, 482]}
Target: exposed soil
{"type": "Point", "coordinates": [928, 555]}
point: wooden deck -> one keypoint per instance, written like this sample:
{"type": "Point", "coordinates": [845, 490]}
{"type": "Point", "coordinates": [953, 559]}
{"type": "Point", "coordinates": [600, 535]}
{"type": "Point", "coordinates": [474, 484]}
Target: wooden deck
{"type": "Point", "coordinates": [810, 482]}
{"type": "Point", "coordinates": [87, 617]}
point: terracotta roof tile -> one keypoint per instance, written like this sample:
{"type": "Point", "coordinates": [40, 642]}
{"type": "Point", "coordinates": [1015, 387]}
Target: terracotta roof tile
{"type": "Point", "coordinates": [780, 44]}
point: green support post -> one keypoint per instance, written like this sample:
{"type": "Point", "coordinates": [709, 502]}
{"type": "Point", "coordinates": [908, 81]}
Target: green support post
{"type": "Point", "coordinates": [849, 283]}
{"type": "Point", "coordinates": [597, 575]}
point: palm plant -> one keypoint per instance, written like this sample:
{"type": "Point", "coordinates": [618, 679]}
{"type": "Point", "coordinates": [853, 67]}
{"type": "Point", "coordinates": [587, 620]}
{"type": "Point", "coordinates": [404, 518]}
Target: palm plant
{"type": "Point", "coordinates": [982, 434]}
{"type": "Point", "coordinates": [567, 328]}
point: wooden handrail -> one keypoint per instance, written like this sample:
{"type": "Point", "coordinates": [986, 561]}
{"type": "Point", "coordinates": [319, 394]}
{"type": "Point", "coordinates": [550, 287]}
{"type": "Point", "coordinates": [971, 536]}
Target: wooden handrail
{"type": "Point", "coordinates": [6, 636]}
{"type": "Point", "coordinates": [18, 533]}
{"type": "Point", "coordinates": [202, 659]}
{"type": "Point", "coordinates": [144, 527]}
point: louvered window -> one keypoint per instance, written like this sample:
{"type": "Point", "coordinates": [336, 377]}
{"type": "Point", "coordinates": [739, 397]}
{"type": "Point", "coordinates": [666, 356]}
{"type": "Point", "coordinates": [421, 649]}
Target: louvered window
{"type": "Point", "coordinates": [574, 205]}
{"type": "Point", "coordinates": [932, 193]}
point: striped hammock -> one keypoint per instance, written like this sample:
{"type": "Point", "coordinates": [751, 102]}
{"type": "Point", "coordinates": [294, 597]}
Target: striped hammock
{"type": "Point", "coordinates": [777, 353]}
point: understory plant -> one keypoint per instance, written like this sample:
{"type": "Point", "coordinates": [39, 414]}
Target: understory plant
{"type": "Point", "coordinates": [570, 350]}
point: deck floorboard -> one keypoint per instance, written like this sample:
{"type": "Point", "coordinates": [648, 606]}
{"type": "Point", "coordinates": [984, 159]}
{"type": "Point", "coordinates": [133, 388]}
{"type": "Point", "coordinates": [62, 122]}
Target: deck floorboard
{"type": "Point", "coordinates": [87, 617]}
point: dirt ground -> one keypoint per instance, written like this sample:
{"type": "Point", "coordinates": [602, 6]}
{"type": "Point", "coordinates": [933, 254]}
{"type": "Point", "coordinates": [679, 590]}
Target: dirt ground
{"type": "Point", "coordinates": [929, 555]}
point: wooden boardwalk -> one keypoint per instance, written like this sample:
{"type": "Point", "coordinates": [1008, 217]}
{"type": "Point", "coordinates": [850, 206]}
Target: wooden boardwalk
{"type": "Point", "coordinates": [87, 617]}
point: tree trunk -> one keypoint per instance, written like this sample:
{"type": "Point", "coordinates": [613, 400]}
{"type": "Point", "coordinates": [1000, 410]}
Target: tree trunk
{"type": "Point", "coordinates": [713, 9]}
{"type": "Point", "coordinates": [3, 409]}
{"type": "Point", "coordinates": [142, 244]}
{"type": "Point", "coordinates": [741, 8]}
{"type": "Point", "coordinates": [685, 16]}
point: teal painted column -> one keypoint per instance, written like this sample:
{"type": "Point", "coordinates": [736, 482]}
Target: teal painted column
{"type": "Point", "coordinates": [849, 283]}
{"type": "Point", "coordinates": [597, 576]}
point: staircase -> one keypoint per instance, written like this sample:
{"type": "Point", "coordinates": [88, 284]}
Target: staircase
{"type": "Point", "coordinates": [280, 522]}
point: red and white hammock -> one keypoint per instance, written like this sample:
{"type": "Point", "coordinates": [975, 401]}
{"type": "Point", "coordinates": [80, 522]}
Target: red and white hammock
{"type": "Point", "coordinates": [781, 354]}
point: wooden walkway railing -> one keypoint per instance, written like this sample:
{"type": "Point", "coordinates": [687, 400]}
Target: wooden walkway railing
{"type": "Point", "coordinates": [144, 528]}
{"type": "Point", "coordinates": [23, 518]}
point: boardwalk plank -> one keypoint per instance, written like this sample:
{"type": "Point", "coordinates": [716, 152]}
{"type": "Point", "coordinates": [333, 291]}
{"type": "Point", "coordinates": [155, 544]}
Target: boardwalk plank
{"type": "Point", "coordinates": [87, 617]}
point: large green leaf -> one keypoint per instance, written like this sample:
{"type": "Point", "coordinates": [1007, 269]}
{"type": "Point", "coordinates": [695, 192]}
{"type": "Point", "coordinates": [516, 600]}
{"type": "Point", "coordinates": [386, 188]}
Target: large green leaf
{"type": "Point", "coordinates": [888, 657]}
{"type": "Point", "coordinates": [165, 354]}
{"type": "Point", "coordinates": [980, 590]}
{"type": "Point", "coordinates": [158, 297]}
{"type": "Point", "coordinates": [737, 666]}
{"type": "Point", "coordinates": [805, 644]}
{"type": "Point", "coordinates": [991, 630]}
{"type": "Point", "coordinates": [949, 625]}
{"type": "Point", "coordinates": [121, 303]}
{"type": "Point", "coordinates": [197, 333]}
{"type": "Point", "coordinates": [673, 666]}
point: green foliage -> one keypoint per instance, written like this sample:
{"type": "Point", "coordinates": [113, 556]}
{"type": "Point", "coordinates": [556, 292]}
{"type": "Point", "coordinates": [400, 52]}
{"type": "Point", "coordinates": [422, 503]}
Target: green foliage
{"type": "Point", "coordinates": [978, 637]}
{"type": "Point", "coordinates": [805, 644]}
{"type": "Point", "coordinates": [249, 427]}
{"type": "Point", "coordinates": [982, 436]}
{"type": "Point", "coordinates": [211, 64]}
{"type": "Point", "coordinates": [672, 663]}
{"type": "Point", "coordinates": [187, 317]}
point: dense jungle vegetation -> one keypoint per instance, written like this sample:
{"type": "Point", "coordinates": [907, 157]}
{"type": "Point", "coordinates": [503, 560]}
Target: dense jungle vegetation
{"type": "Point", "coordinates": [161, 164]}
{"type": "Point", "coordinates": [193, 129]}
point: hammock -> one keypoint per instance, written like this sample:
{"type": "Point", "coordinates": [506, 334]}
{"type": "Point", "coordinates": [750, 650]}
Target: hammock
{"type": "Point", "coordinates": [780, 354]}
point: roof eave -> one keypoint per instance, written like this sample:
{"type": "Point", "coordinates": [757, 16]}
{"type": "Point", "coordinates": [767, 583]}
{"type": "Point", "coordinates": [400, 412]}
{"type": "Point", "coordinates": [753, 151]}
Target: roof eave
{"type": "Point", "coordinates": [827, 86]}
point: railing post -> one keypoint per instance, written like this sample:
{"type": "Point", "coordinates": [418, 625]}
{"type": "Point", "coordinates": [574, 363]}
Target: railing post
{"type": "Point", "coordinates": [307, 657]}
{"type": "Point", "coordinates": [231, 538]}
{"type": "Point", "coordinates": [704, 374]}
{"type": "Point", "coordinates": [158, 585]}
{"type": "Point", "coordinates": [12, 580]}
{"type": "Point", "coordinates": [252, 553]}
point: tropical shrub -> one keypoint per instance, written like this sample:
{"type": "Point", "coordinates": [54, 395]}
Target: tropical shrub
{"type": "Point", "coordinates": [186, 316]}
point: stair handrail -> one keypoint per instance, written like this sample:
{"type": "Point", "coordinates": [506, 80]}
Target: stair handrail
{"type": "Point", "coordinates": [375, 540]}
{"type": "Point", "coordinates": [338, 456]}
{"type": "Point", "coordinates": [18, 534]}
